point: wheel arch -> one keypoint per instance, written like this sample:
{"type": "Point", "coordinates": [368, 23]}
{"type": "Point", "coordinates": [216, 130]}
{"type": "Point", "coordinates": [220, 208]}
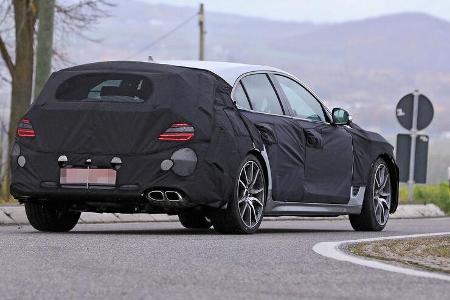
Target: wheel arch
{"type": "Point", "coordinates": [393, 171]}
{"type": "Point", "coordinates": [261, 155]}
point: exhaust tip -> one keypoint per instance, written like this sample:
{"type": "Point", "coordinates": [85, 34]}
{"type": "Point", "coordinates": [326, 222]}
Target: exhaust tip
{"type": "Point", "coordinates": [155, 195]}
{"type": "Point", "coordinates": [173, 196]}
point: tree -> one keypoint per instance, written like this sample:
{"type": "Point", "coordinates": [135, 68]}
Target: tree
{"type": "Point", "coordinates": [22, 16]}
{"type": "Point", "coordinates": [44, 45]}
{"type": "Point", "coordinates": [21, 71]}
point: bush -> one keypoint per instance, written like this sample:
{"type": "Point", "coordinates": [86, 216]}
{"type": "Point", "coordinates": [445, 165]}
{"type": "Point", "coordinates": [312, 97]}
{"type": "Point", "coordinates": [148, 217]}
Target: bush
{"type": "Point", "coordinates": [438, 194]}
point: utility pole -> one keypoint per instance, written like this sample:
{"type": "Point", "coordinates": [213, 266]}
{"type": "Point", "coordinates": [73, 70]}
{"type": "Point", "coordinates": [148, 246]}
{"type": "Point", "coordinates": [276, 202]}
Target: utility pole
{"type": "Point", "coordinates": [44, 44]}
{"type": "Point", "coordinates": [201, 27]}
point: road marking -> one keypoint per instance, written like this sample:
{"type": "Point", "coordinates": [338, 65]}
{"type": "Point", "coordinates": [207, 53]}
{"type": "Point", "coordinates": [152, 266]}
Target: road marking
{"type": "Point", "coordinates": [333, 250]}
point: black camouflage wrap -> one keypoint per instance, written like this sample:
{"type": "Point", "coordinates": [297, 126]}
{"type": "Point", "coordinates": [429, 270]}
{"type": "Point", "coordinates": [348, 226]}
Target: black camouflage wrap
{"type": "Point", "coordinates": [223, 137]}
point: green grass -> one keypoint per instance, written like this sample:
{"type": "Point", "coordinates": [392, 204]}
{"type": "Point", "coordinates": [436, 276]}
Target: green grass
{"type": "Point", "coordinates": [438, 194]}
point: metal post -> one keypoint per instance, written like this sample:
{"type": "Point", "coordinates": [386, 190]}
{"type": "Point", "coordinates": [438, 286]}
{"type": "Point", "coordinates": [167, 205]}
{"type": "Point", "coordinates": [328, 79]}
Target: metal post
{"type": "Point", "coordinates": [412, 157]}
{"type": "Point", "coordinates": [201, 26]}
{"type": "Point", "coordinates": [448, 172]}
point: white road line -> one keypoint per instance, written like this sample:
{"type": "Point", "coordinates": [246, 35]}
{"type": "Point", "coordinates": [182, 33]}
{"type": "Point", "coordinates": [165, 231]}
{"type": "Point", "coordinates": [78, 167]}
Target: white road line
{"type": "Point", "coordinates": [332, 250]}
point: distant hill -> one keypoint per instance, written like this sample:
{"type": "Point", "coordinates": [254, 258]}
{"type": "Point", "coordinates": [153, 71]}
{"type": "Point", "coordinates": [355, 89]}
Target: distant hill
{"type": "Point", "coordinates": [364, 66]}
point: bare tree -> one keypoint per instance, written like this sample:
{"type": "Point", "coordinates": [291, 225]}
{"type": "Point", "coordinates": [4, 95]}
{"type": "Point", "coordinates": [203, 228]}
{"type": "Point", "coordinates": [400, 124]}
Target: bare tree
{"type": "Point", "coordinates": [18, 19]}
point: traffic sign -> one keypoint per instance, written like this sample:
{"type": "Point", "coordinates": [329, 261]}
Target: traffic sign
{"type": "Point", "coordinates": [425, 112]}
{"type": "Point", "coordinates": [405, 111]}
{"type": "Point", "coordinates": [420, 158]}
{"type": "Point", "coordinates": [414, 112]}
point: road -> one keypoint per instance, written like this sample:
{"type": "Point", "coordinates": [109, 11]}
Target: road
{"type": "Point", "coordinates": [165, 261]}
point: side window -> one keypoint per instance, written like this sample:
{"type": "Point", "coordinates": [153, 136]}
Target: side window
{"type": "Point", "coordinates": [261, 94]}
{"type": "Point", "coordinates": [303, 104]}
{"type": "Point", "coordinates": [240, 97]}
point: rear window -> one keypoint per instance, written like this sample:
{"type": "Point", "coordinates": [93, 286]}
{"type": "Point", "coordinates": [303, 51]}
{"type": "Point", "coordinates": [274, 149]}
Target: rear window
{"type": "Point", "coordinates": [105, 88]}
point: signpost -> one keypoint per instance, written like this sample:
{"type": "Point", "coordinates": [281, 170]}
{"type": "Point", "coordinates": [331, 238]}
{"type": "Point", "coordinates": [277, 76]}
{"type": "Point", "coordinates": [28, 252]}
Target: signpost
{"type": "Point", "coordinates": [448, 170]}
{"type": "Point", "coordinates": [414, 112]}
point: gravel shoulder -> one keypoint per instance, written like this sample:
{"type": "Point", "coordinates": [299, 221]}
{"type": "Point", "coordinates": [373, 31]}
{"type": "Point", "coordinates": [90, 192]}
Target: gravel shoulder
{"type": "Point", "coordinates": [429, 253]}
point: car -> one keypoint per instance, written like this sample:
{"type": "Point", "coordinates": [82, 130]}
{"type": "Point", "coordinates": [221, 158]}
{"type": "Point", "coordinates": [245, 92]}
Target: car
{"type": "Point", "coordinates": [218, 144]}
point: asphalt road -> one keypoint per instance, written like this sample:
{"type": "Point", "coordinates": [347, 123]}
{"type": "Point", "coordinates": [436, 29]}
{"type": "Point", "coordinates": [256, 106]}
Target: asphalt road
{"type": "Point", "coordinates": [165, 261]}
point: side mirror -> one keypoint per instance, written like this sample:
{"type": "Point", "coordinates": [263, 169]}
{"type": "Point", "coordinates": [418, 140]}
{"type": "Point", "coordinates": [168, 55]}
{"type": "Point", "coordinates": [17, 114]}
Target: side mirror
{"type": "Point", "coordinates": [341, 116]}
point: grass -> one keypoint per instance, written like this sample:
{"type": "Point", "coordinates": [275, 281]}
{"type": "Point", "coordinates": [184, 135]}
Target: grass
{"type": "Point", "coordinates": [430, 253]}
{"type": "Point", "coordinates": [438, 194]}
{"type": "Point", "coordinates": [441, 251]}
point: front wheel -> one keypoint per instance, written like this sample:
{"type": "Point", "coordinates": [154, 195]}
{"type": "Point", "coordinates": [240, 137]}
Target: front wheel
{"type": "Point", "coordinates": [245, 210]}
{"type": "Point", "coordinates": [46, 217]}
{"type": "Point", "coordinates": [377, 200]}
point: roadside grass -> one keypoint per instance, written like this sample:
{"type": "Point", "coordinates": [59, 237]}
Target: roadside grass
{"type": "Point", "coordinates": [438, 194]}
{"type": "Point", "coordinates": [430, 253]}
{"type": "Point", "coordinates": [441, 251]}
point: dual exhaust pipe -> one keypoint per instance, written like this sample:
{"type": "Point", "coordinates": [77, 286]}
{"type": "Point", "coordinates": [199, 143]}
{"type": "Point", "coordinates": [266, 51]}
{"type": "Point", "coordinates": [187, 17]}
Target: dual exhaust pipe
{"type": "Point", "coordinates": [160, 196]}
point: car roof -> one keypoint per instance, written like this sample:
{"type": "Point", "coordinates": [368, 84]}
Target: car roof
{"type": "Point", "coordinates": [230, 72]}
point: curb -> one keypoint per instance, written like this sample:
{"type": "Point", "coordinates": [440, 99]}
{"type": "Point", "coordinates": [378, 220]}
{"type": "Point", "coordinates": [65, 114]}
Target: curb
{"type": "Point", "coordinates": [335, 250]}
{"type": "Point", "coordinates": [15, 215]}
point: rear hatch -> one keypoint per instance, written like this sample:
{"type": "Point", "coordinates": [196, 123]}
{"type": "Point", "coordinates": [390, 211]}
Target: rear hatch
{"type": "Point", "coordinates": [109, 112]}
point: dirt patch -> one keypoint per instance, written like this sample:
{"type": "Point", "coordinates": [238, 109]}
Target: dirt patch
{"type": "Point", "coordinates": [431, 253]}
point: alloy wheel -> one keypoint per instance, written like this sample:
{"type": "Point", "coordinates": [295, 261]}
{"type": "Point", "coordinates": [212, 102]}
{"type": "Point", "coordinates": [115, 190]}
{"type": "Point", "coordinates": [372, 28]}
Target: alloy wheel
{"type": "Point", "coordinates": [250, 192]}
{"type": "Point", "coordinates": [382, 194]}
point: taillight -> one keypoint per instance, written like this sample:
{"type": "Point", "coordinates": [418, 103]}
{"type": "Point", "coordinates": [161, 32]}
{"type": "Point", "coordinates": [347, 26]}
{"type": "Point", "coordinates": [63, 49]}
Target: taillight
{"type": "Point", "coordinates": [25, 129]}
{"type": "Point", "coordinates": [178, 132]}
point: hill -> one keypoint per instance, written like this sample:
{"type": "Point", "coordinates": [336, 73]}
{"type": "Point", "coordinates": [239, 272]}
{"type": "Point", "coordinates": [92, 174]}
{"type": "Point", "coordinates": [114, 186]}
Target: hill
{"type": "Point", "coordinates": [364, 65]}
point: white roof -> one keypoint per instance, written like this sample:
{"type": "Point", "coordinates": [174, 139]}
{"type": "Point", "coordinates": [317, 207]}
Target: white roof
{"type": "Point", "coordinates": [230, 72]}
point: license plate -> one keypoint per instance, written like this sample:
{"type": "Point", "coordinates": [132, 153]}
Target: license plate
{"type": "Point", "coordinates": [88, 176]}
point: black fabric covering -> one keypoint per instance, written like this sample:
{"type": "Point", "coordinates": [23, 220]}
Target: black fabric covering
{"type": "Point", "coordinates": [328, 164]}
{"type": "Point", "coordinates": [100, 131]}
{"type": "Point", "coordinates": [310, 162]}
{"type": "Point", "coordinates": [367, 147]}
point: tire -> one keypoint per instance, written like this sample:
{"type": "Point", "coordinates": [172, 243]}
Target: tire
{"type": "Point", "coordinates": [46, 217]}
{"type": "Point", "coordinates": [194, 220]}
{"type": "Point", "coordinates": [377, 200]}
{"type": "Point", "coordinates": [244, 212]}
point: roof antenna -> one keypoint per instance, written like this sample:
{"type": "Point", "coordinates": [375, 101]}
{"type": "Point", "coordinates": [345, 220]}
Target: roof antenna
{"type": "Point", "coordinates": [150, 58]}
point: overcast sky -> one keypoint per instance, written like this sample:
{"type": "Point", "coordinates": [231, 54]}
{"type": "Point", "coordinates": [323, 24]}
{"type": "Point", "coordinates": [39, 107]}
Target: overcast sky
{"type": "Point", "coordinates": [318, 10]}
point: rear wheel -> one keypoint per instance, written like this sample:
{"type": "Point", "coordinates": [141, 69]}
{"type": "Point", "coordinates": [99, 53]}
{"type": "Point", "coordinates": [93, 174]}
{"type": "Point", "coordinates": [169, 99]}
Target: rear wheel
{"type": "Point", "coordinates": [47, 217]}
{"type": "Point", "coordinates": [244, 212]}
{"type": "Point", "coordinates": [194, 220]}
{"type": "Point", "coordinates": [377, 200]}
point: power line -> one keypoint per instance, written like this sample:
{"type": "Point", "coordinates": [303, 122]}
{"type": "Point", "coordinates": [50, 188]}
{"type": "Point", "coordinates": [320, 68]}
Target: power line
{"type": "Point", "coordinates": [163, 37]}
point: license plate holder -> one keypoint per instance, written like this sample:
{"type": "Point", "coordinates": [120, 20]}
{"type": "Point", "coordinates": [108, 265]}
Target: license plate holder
{"type": "Point", "coordinates": [88, 176]}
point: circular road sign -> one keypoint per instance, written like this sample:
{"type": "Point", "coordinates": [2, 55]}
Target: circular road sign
{"type": "Point", "coordinates": [405, 108]}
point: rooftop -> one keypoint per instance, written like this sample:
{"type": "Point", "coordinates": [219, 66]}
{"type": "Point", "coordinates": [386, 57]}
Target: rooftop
{"type": "Point", "coordinates": [230, 72]}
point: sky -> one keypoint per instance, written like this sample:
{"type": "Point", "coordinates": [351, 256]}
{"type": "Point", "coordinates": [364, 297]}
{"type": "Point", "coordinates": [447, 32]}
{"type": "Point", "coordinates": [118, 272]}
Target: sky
{"type": "Point", "coordinates": [319, 11]}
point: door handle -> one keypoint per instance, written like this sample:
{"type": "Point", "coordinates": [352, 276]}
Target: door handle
{"type": "Point", "coordinates": [313, 139]}
{"type": "Point", "coordinates": [267, 134]}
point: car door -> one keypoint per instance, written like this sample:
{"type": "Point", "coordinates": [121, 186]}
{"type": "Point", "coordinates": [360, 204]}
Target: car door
{"type": "Point", "coordinates": [259, 102]}
{"type": "Point", "coordinates": [328, 148]}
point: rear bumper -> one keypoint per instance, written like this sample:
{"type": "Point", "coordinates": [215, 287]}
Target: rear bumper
{"type": "Point", "coordinates": [39, 178]}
